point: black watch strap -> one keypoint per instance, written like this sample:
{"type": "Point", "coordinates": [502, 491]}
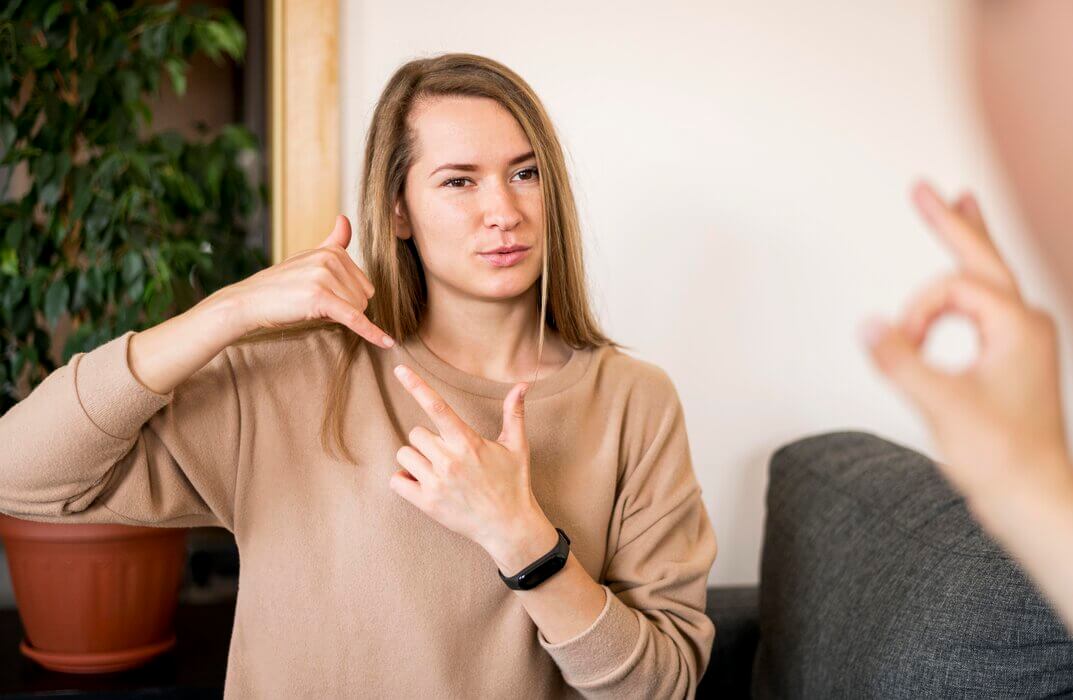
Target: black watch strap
{"type": "Point", "coordinates": [542, 569]}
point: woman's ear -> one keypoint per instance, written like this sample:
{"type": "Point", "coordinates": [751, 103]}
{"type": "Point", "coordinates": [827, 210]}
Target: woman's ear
{"type": "Point", "coordinates": [402, 222]}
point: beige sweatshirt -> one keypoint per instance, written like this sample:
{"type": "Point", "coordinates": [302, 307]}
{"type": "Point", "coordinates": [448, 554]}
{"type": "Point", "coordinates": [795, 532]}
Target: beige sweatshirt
{"type": "Point", "coordinates": [345, 588]}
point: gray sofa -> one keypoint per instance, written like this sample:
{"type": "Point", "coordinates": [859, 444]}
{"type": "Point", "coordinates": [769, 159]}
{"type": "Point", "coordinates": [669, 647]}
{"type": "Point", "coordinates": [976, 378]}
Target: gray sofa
{"type": "Point", "coordinates": [876, 583]}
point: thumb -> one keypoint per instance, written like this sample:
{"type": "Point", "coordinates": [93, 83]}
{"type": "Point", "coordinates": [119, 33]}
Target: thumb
{"type": "Point", "coordinates": [340, 235]}
{"type": "Point", "coordinates": [900, 361]}
{"type": "Point", "coordinates": [513, 435]}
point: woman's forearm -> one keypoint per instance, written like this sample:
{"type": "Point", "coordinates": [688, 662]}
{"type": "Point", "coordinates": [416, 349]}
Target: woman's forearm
{"type": "Point", "coordinates": [1032, 519]}
{"type": "Point", "coordinates": [164, 356]}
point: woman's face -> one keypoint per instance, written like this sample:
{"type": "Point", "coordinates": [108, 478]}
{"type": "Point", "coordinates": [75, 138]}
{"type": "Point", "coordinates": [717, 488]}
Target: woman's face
{"type": "Point", "coordinates": [472, 199]}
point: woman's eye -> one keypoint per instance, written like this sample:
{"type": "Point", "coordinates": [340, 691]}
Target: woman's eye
{"type": "Point", "coordinates": [450, 183]}
{"type": "Point", "coordinates": [532, 172]}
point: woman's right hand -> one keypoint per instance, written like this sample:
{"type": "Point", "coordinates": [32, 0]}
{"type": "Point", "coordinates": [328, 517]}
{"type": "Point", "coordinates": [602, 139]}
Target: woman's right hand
{"type": "Point", "coordinates": [320, 283]}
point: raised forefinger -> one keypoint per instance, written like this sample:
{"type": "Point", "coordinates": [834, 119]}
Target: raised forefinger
{"type": "Point", "coordinates": [451, 427]}
{"type": "Point", "coordinates": [967, 239]}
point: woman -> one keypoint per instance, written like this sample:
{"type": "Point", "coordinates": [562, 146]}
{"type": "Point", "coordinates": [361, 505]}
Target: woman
{"type": "Point", "coordinates": [369, 566]}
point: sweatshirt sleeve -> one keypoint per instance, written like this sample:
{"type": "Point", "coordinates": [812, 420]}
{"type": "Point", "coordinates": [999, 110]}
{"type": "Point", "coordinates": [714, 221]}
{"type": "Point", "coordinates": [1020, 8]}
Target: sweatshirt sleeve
{"type": "Point", "coordinates": [92, 444]}
{"type": "Point", "coordinates": [653, 638]}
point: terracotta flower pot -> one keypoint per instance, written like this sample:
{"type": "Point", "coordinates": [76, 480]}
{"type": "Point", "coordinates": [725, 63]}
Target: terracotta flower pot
{"type": "Point", "coordinates": [94, 598]}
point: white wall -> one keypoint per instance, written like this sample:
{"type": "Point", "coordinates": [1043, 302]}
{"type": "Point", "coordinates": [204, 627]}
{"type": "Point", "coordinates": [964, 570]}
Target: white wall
{"type": "Point", "coordinates": [743, 172]}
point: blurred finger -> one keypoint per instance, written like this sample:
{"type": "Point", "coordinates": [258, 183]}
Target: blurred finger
{"type": "Point", "coordinates": [975, 252]}
{"type": "Point", "coordinates": [992, 312]}
{"type": "Point", "coordinates": [901, 363]}
{"type": "Point", "coordinates": [969, 208]}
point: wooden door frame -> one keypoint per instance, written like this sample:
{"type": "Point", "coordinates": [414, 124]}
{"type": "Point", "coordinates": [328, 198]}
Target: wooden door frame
{"type": "Point", "coordinates": [303, 122]}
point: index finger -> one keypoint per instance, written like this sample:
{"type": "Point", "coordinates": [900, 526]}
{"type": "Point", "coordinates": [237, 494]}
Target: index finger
{"type": "Point", "coordinates": [451, 427]}
{"type": "Point", "coordinates": [969, 243]}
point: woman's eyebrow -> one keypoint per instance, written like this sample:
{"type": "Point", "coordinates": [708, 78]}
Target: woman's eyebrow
{"type": "Point", "coordinates": [469, 167]}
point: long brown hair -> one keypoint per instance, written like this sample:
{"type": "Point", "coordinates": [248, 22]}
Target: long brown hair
{"type": "Point", "coordinates": [393, 265]}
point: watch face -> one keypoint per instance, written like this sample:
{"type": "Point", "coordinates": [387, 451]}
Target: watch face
{"type": "Point", "coordinates": [543, 568]}
{"type": "Point", "coordinates": [540, 574]}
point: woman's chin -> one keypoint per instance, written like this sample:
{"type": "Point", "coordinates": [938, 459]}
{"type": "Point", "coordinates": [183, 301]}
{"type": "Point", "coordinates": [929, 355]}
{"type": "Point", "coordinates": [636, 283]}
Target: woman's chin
{"type": "Point", "coordinates": [503, 283]}
{"type": "Point", "coordinates": [503, 287]}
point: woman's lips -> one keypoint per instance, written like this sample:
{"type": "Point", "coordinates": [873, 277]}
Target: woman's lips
{"type": "Point", "coordinates": [505, 259]}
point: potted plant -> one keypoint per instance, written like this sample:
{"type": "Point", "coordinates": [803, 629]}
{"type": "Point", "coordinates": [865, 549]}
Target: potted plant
{"type": "Point", "coordinates": [115, 228]}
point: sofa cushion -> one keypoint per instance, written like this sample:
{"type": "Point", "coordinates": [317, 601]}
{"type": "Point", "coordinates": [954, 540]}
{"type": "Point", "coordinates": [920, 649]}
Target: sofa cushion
{"type": "Point", "coordinates": [876, 582]}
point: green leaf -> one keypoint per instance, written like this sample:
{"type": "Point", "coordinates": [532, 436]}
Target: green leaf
{"type": "Point", "coordinates": [9, 262]}
{"type": "Point", "coordinates": [81, 295]}
{"type": "Point", "coordinates": [191, 193]}
{"type": "Point", "coordinates": [22, 319]}
{"type": "Point", "coordinates": [83, 195]}
{"type": "Point", "coordinates": [37, 56]}
{"type": "Point", "coordinates": [177, 71]}
{"type": "Point", "coordinates": [95, 284]}
{"type": "Point", "coordinates": [15, 231]}
{"type": "Point", "coordinates": [87, 87]}
{"type": "Point", "coordinates": [50, 193]}
{"type": "Point", "coordinates": [238, 137]}
{"type": "Point", "coordinates": [52, 13]}
{"type": "Point", "coordinates": [154, 41]}
{"type": "Point", "coordinates": [127, 316]}
{"type": "Point", "coordinates": [129, 86]}
{"type": "Point", "coordinates": [9, 8]}
{"type": "Point", "coordinates": [44, 166]}
{"type": "Point", "coordinates": [133, 266]}
{"type": "Point", "coordinates": [142, 110]}
{"type": "Point", "coordinates": [8, 134]}
{"type": "Point", "coordinates": [56, 301]}
{"type": "Point", "coordinates": [108, 168]}
{"type": "Point", "coordinates": [18, 362]}
{"type": "Point", "coordinates": [98, 218]}
{"type": "Point", "coordinates": [139, 164]}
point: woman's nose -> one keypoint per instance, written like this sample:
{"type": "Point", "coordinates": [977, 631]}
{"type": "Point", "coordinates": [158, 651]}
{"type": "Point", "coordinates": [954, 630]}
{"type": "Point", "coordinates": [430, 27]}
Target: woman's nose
{"type": "Point", "coordinates": [500, 209]}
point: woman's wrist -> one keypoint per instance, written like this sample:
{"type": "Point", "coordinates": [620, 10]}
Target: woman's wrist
{"type": "Point", "coordinates": [223, 314]}
{"type": "Point", "coordinates": [519, 545]}
{"type": "Point", "coordinates": [1044, 479]}
{"type": "Point", "coordinates": [164, 356]}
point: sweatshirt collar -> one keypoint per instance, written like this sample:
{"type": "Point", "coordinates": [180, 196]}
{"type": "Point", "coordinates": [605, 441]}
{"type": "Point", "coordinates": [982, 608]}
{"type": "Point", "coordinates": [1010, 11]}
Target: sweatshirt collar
{"type": "Point", "coordinates": [413, 348]}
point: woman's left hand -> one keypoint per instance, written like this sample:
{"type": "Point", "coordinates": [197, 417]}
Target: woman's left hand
{"type": "Point", "coordinates": [476, 487]}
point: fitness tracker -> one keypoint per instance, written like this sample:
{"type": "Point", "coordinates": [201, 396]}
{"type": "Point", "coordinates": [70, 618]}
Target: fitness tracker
{"type": "Point", "coordinates": [542, 569]}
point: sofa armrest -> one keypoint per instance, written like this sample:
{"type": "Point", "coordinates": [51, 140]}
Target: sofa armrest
{"type": "Point", "coordinates": [736, 613]}
{"type": "Point", "coordinates": [877, 582]}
